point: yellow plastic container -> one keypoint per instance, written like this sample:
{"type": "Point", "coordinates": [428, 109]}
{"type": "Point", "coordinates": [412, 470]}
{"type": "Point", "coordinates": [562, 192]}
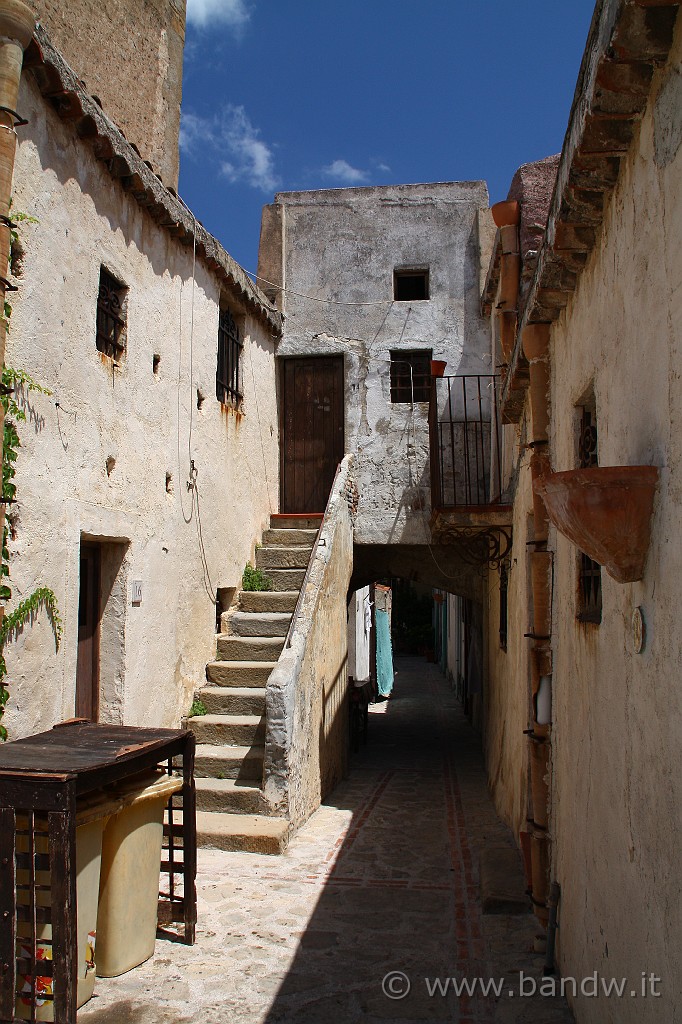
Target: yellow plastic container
{"type": "Point", "coordinates": [88, 861]}
{"type": "Point", "coordinates": [129, 881]}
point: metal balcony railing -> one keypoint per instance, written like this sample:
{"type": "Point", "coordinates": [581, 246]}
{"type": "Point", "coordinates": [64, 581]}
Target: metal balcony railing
{"type": "Point", "coordinates": [464, 433]}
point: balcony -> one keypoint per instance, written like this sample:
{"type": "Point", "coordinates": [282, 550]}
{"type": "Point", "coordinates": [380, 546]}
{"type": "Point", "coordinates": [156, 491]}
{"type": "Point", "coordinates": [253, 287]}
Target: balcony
{"type": "Point", "coordinates": [466, 484]}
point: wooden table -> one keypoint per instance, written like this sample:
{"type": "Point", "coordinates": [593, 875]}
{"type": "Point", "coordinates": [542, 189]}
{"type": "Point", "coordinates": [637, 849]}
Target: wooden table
{"type": "Point", "coordinates": [42, 780]}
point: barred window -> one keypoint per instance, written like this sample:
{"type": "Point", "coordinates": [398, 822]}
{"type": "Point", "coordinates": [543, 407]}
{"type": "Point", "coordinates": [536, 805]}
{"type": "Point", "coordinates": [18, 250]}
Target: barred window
{"type": "Point", "coordinates": [111, 315]}
{"type": "Point", "coordinates": [228, 380]}
{"type": "Point", "coordinates": [589, 573]}
{"type": "Point", "coordinates": [410, 376]}
{"type": "Point", "coordinates": [504, 590]}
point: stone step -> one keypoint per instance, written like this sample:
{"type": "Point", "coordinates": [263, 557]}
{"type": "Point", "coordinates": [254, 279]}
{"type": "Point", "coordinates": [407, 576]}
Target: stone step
{"type": "Point", "coordinates": [250, 833]}
{"type": "Point", "coordinates": [296, 557]}
{"type": "Point", "coordinates": [255, 623]}
{"type": "Point", "coordinates": [279, 521]}
{"type": "Point", "coordinates": [268, 600]}
{"type": "Point", "coordinates": [239, 673]}
{"type": "Point", "coordinates": [234, 762]}
{"type": "Point", "coordinates": [248, 648]}
{"type": "Point", "coordinates": [231, 795]}
{"type": "Point", "coordinates": [286, 579]}
{"type": "Point", "coordinates": [288, 538]}
{"type": "Point", "coordinates": [234, 700]}
{"type": "Point", "coordinates": [228, 729]}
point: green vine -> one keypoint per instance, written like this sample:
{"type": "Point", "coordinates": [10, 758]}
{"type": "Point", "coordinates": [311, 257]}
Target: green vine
{"type": "Point", "coordinates": [42, 597]}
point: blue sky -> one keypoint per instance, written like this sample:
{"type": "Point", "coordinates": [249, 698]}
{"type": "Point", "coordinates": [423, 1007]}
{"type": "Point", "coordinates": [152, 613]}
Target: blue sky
{"type": "Point", "coordinates": [300, 94]}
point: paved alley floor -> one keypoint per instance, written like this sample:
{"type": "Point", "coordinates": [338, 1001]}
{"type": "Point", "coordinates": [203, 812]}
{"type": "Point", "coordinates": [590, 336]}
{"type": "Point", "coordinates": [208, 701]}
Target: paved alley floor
{"type": "Point", "coordinates": [372, 911]}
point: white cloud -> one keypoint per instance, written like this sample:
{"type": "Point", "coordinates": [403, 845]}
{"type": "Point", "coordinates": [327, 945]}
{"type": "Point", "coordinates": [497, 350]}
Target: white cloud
{"type": "Point", "coordinates": [245, 157]}
{"type": "Point", "coordinates": [233, 13]}
{"type": "Point", "coordinates": [341, 170]}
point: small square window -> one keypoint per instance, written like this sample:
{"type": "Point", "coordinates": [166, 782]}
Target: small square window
{"type": "Point", "coordinates": [410, 376]}
{"type": "Point", "coordinates": [111, 315]}
{"type": "Point", "coordinates": [411, 285]}
{"type": "Point", "coordinates": [228, 380]}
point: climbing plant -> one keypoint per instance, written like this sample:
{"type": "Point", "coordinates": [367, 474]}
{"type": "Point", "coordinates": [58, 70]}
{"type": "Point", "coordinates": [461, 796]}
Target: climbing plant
{"type": "Point", "coordinates": [26, 611]}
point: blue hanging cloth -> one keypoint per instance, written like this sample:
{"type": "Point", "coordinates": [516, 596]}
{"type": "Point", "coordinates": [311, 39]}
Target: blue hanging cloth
{"type": "Point", "coordinates": [384, 654]}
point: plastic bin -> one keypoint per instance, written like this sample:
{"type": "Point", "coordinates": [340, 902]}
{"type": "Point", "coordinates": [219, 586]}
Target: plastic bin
{"type": "Point", "coordinates": [88, 861]}
{"type": "Point", "coordinates": [129, 881]}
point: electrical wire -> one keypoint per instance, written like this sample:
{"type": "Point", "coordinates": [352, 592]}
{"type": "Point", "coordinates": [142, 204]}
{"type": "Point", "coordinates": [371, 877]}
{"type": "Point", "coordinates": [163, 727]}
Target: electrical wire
{"type": "Point", "coordinates": [314, 298]}
{"type": "Point", "coordinates": [260, 430]}
{"type": "Point", "coordinates": [191, 483]}
{"type": "Point", "coordinates": [187, 519]}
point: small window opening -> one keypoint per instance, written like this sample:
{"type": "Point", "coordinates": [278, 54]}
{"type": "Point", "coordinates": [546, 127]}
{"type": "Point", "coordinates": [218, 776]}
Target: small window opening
{"type": "Point", "coordinates": [155, 362]}
{"type": "Point", "coordinates": [410, 376]}
{"type": "Point", "coordinates": [111, 315]}
{"type": "Point", "coordinates": [110, 463]}
{"type": "Point", "coordinates": [410, 285]}
{"type": "Point", "coordinates": [201, 398]}
{"type": "Point", "coordinates": [169, 483]}
{"type": "Point", "coordinates": [589, 571]}
{"type": "Point", "coordinates": [228, 389]}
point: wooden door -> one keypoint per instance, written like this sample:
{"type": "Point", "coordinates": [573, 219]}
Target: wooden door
{"type": "Point", "coordinates": [87, 671]}
{"type": "Point", "coordinates": [311, 438]}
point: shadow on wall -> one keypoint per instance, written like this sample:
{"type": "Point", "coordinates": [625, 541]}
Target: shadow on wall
{"type": "Point", "coordinates": [333, 731]}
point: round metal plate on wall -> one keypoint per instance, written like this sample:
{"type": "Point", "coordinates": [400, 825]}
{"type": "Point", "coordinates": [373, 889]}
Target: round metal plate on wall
{"type": "Point", "coordinates": [638, 630]}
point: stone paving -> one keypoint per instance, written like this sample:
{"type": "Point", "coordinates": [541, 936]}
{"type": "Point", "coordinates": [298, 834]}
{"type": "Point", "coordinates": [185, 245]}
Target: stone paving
{"type": "Point", "coordinates": [383, 878]}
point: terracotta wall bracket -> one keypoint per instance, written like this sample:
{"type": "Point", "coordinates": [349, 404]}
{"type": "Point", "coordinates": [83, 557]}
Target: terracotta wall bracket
{"type": "Point", "coordinates": [606, 512]}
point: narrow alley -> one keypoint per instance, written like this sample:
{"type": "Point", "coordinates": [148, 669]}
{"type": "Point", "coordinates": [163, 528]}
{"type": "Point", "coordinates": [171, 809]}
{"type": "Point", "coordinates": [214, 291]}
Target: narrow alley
{"type": "Point", "coordinates": [382, 879]}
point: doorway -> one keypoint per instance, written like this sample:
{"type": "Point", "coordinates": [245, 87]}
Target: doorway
{"type": "Point", "coordinates": [311, 431]}
{"type": "Point", "coordinates": [89, 616]}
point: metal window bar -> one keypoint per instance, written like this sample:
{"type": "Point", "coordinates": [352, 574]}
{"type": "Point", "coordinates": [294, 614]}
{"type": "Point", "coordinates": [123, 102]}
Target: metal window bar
{"type": "Point", "coordinates": [410, 376]}
{"type": "Point", "coordinates": [229, 357]}
{"type": "Point", "coordinates": [110, 316]}
{"type": "Point", "coordinates": [504, 593]}
{"type": "Point", "coordinates": [465, 441]}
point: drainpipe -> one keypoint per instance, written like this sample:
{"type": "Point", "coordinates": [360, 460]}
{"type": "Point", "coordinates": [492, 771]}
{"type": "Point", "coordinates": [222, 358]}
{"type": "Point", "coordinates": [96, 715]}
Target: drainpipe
{"type": "Point", "coordinates": [17, 24]}
{"type": "Point", "coordinates": [536, 350]}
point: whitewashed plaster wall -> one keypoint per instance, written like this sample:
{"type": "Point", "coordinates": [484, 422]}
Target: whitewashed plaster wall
{"type": "Point", "coordinates": [139, 418]}
{"type": "Point", "coordinates": [341, 246]}
{"type": "Point", "coordinates": [617, 732]}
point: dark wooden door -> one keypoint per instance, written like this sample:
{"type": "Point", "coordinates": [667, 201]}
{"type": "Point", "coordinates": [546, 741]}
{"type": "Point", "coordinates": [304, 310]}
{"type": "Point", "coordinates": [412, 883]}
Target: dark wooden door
{"type": "Point", "coordinates": [312, 441]}
{"type": "Point", "coordinates": [87, 671]}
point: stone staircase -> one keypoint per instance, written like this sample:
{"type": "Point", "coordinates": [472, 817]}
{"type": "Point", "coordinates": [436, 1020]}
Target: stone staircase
{"type": "Point", "coordinates": [231, 810]}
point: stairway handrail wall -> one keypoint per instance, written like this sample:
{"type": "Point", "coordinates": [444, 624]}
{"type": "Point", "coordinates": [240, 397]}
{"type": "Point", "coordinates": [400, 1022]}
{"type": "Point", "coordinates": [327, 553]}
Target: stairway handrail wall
{"type": "Point", "coordinates": [306, 735]}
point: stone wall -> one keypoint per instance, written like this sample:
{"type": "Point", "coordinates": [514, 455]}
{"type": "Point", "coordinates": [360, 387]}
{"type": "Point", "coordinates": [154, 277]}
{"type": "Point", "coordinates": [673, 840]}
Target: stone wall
{"type": "Point", "coordinates": [306, 745]}
{"type": "Point", "coordinates": [139, 414]}
{"type": "Point", "coordinates": [129, 54]}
